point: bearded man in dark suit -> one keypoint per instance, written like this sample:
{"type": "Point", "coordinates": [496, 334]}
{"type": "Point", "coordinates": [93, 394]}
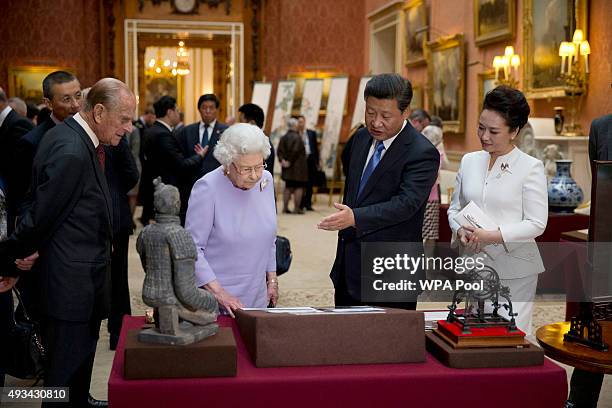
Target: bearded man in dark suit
{"type": "Point", "coordinates": [392, 170]}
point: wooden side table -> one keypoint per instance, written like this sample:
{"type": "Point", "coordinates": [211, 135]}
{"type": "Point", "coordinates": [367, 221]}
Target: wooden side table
{"type": "Point", "coordinates": [550, 338]}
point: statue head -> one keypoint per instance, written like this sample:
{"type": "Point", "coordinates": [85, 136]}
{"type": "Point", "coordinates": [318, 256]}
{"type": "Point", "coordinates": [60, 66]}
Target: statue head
{"type": "Point", "coordinates": [166, 198]}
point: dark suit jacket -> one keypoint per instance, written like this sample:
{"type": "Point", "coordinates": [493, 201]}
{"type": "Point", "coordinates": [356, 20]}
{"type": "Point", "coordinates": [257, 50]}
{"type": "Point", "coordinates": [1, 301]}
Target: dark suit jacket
{"type": "Point", "coordinates": [392, 204]}
{"type": "Point", "coordinates": [189, 136]}
{"type": "Point", "coordinates": [122, 175]}
{"type": "Point", "coordinates": [600, 138]}
{"type": "Point", "coordinates": [69, 223]}
{"type": "Point", "coordinates": [165, 156]}
{"type": "Point", "coordinates": [25, 150]}
{"type": "Point", "coordinates": [312, 141]}
{"type": "Point", "coordinates": [13, 128]}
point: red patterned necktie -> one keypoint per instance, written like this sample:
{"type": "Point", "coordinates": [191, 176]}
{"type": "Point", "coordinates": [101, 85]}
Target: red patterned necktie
{"type": "Point", "coordinates": [101, 155]}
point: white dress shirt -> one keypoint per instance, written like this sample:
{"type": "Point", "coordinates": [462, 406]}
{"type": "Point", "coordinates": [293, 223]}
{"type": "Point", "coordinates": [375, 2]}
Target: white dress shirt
{"type": "Point", "coordinates": [387, 143]}
{"type": "Point", "coordinates": [513, 194]}
{"type": "Point", "coordinates": [79, 119]}
{"type": "Point", "coordinates": [165, 124]}
{"type": "Point", "coordinates": [4, 114]}
{"type": "Point", "coordinates": [211, 126]}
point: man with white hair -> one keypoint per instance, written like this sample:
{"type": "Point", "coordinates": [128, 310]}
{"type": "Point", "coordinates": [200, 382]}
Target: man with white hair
{"type": "Point", "coordinates": [69, 224]}
{"type": "Point", "coordinates": [18, 106]}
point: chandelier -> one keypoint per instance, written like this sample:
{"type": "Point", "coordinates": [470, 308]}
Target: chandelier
{"type": "Point", "coordinates": [160, 67]}
{"type": "Point", "coordinates": [182, 64]}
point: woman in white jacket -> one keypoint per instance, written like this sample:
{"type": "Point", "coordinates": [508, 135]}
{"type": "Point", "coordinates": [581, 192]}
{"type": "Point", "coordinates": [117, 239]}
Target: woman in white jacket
{"type": "Point", "coordinates": [510, 187]}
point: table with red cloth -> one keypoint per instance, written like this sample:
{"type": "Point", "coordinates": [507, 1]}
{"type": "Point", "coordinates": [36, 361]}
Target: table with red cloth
{"type": "Point", "coordinates": [422, 385]}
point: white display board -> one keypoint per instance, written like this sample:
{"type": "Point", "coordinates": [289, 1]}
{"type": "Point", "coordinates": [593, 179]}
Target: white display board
{"type": "Point", "coordinates": [262, 91]}
{"type": "Point", "coordinates": [282, 110]}
{"type": "Point", "coordinates": [359, 112]}
{"type": "Point", "coordinates": [333, 123]}
{"type": "Point", "coordinates": [311, 101]}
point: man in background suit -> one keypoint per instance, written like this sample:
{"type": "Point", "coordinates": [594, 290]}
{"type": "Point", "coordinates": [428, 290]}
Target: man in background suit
{"type": "Point", "coordinates": [12, 128]}
{"type": "Point", "coordinates": [61, 94]}
{"type": "Point", "coordinates": [585, 385]}
{"type": "Point", "coordinates": [392, 170]}
{"type": "Point", "coordinates": [164, 155]}
{"type": "Point", "coordinates": [312, 159]}
{"type": "Point", "coordinates": [253, 114]}
{"type": "Point", "coordinates": [122, 175]}
{"type": "Point", "coordinates": [69, 224]}
{"type": "Point", "coordinates": [205, 132]}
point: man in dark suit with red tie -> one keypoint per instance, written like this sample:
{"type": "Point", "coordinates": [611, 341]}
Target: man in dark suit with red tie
{"type": "Point", "coordinates": [392, 171]}
{"type": "Point", "coordinates": [69, 223]}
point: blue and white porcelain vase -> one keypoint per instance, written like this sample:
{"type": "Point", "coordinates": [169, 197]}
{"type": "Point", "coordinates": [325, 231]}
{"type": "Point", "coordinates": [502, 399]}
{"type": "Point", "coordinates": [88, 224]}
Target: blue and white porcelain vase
{"type": "Point", "coordinates": [564, 194]}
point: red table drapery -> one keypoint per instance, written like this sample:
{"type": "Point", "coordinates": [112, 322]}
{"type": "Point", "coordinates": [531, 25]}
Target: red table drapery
{"type": "Point", "coordinates": [423, 385]}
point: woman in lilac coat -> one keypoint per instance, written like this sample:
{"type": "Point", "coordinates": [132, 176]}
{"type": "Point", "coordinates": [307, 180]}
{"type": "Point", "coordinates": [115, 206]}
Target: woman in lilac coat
{"type": "Point", "coordinates": [232, 219]}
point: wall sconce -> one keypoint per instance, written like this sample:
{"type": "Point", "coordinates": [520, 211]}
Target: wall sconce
{"type": "Point", "coordinates": [508, 63]}
{"type": "Point", "coordinates": [574, 77]}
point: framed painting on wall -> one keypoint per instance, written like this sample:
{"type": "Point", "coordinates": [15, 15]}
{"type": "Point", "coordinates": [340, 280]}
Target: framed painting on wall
{"type": "Point", "coordinates": [359, 111]}
{"type": "Point", "coordinates": [282, 110]}
{"type": "Point", "coordinates": [415, 32]}
{"type": "Point", "coordinates": [544, 29]}
{"type": "Point", "coordinates": [486, 82]}
{"type": "Point", "coordinates": [311, 101]}
{"type": "Point", "coordinates": [417, 101]}
{"type": "Point", "coordinates": [300, 80]}
{"type": "Point", "coordinates": [262, 91]}
{"type": "Point", "coordinates": [333, 124]}
{"type": "Point", "coordinates": [446, 69]}
{"type": "Point", "coordinates": [494, 20]}
{"type": "Point", "coordinates": [25, 82]}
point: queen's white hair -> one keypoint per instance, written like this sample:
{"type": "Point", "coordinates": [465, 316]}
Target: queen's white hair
{"type": "Point", "coordinates": [239, 139]}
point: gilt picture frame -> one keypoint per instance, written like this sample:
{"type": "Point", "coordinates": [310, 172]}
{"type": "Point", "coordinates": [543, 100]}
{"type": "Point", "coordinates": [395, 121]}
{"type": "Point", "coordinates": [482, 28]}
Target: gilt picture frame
{"type": "Point", "coordinates": [446, 88]}
{"type": "Point", "coordinates": [494, 21]}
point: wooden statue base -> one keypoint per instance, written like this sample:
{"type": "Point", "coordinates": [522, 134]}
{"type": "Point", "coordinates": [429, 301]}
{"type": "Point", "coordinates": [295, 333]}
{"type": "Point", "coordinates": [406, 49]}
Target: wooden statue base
{"type": "Point", "coordinates": [495, 357]}
{"type": "Point", "coordinates": [214, 356]}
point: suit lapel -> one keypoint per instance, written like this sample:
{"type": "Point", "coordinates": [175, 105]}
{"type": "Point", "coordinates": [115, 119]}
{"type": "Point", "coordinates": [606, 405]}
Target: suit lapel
{"type": "Point", "coordinates": [395, 152]}
{"type": "Point", "coordinates": [361, 149]}
{"type": "Point", "coordinates": [193, 136]}
{"type": "Point", "coordinates": [100, 177]}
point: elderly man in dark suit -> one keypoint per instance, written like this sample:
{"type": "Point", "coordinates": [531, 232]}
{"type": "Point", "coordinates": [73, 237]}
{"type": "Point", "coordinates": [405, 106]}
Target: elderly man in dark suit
{"type": "Point", "coordinates": [70, 224]}
{"type": "Point", "coordinates": [164, 156]}
{"type": "Point", "coordinates": [586, 385]}
{"type": "Point", "coordinates": [392, 170]}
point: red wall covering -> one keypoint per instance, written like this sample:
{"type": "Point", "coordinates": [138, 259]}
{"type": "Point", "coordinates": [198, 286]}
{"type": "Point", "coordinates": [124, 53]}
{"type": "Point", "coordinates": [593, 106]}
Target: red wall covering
{"type": "Point", "coordinates": [303, 35]}
{"type": "Point", "coordinates": [63, 33]}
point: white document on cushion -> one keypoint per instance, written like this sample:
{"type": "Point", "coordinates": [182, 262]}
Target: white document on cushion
{"type": "Point", "coordinates": [472, 215]}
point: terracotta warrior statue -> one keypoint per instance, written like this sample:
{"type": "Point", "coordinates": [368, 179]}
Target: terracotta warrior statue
{"type": "Point", "coordinates": [184, 313]}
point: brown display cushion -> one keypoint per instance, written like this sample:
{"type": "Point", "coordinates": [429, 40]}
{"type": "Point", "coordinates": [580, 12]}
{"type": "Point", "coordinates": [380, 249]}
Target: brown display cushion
{"type": "Point", "coordinates": [497, 357]}
{"type": "Point", "coordinates": [214, 356]}
{"type": "Point", "coordinates": [282, 340]}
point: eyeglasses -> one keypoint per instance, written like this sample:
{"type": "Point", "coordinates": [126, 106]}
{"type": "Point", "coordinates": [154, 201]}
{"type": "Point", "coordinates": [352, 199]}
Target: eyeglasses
{"type": "Point", "coordinates": [244, 171]}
